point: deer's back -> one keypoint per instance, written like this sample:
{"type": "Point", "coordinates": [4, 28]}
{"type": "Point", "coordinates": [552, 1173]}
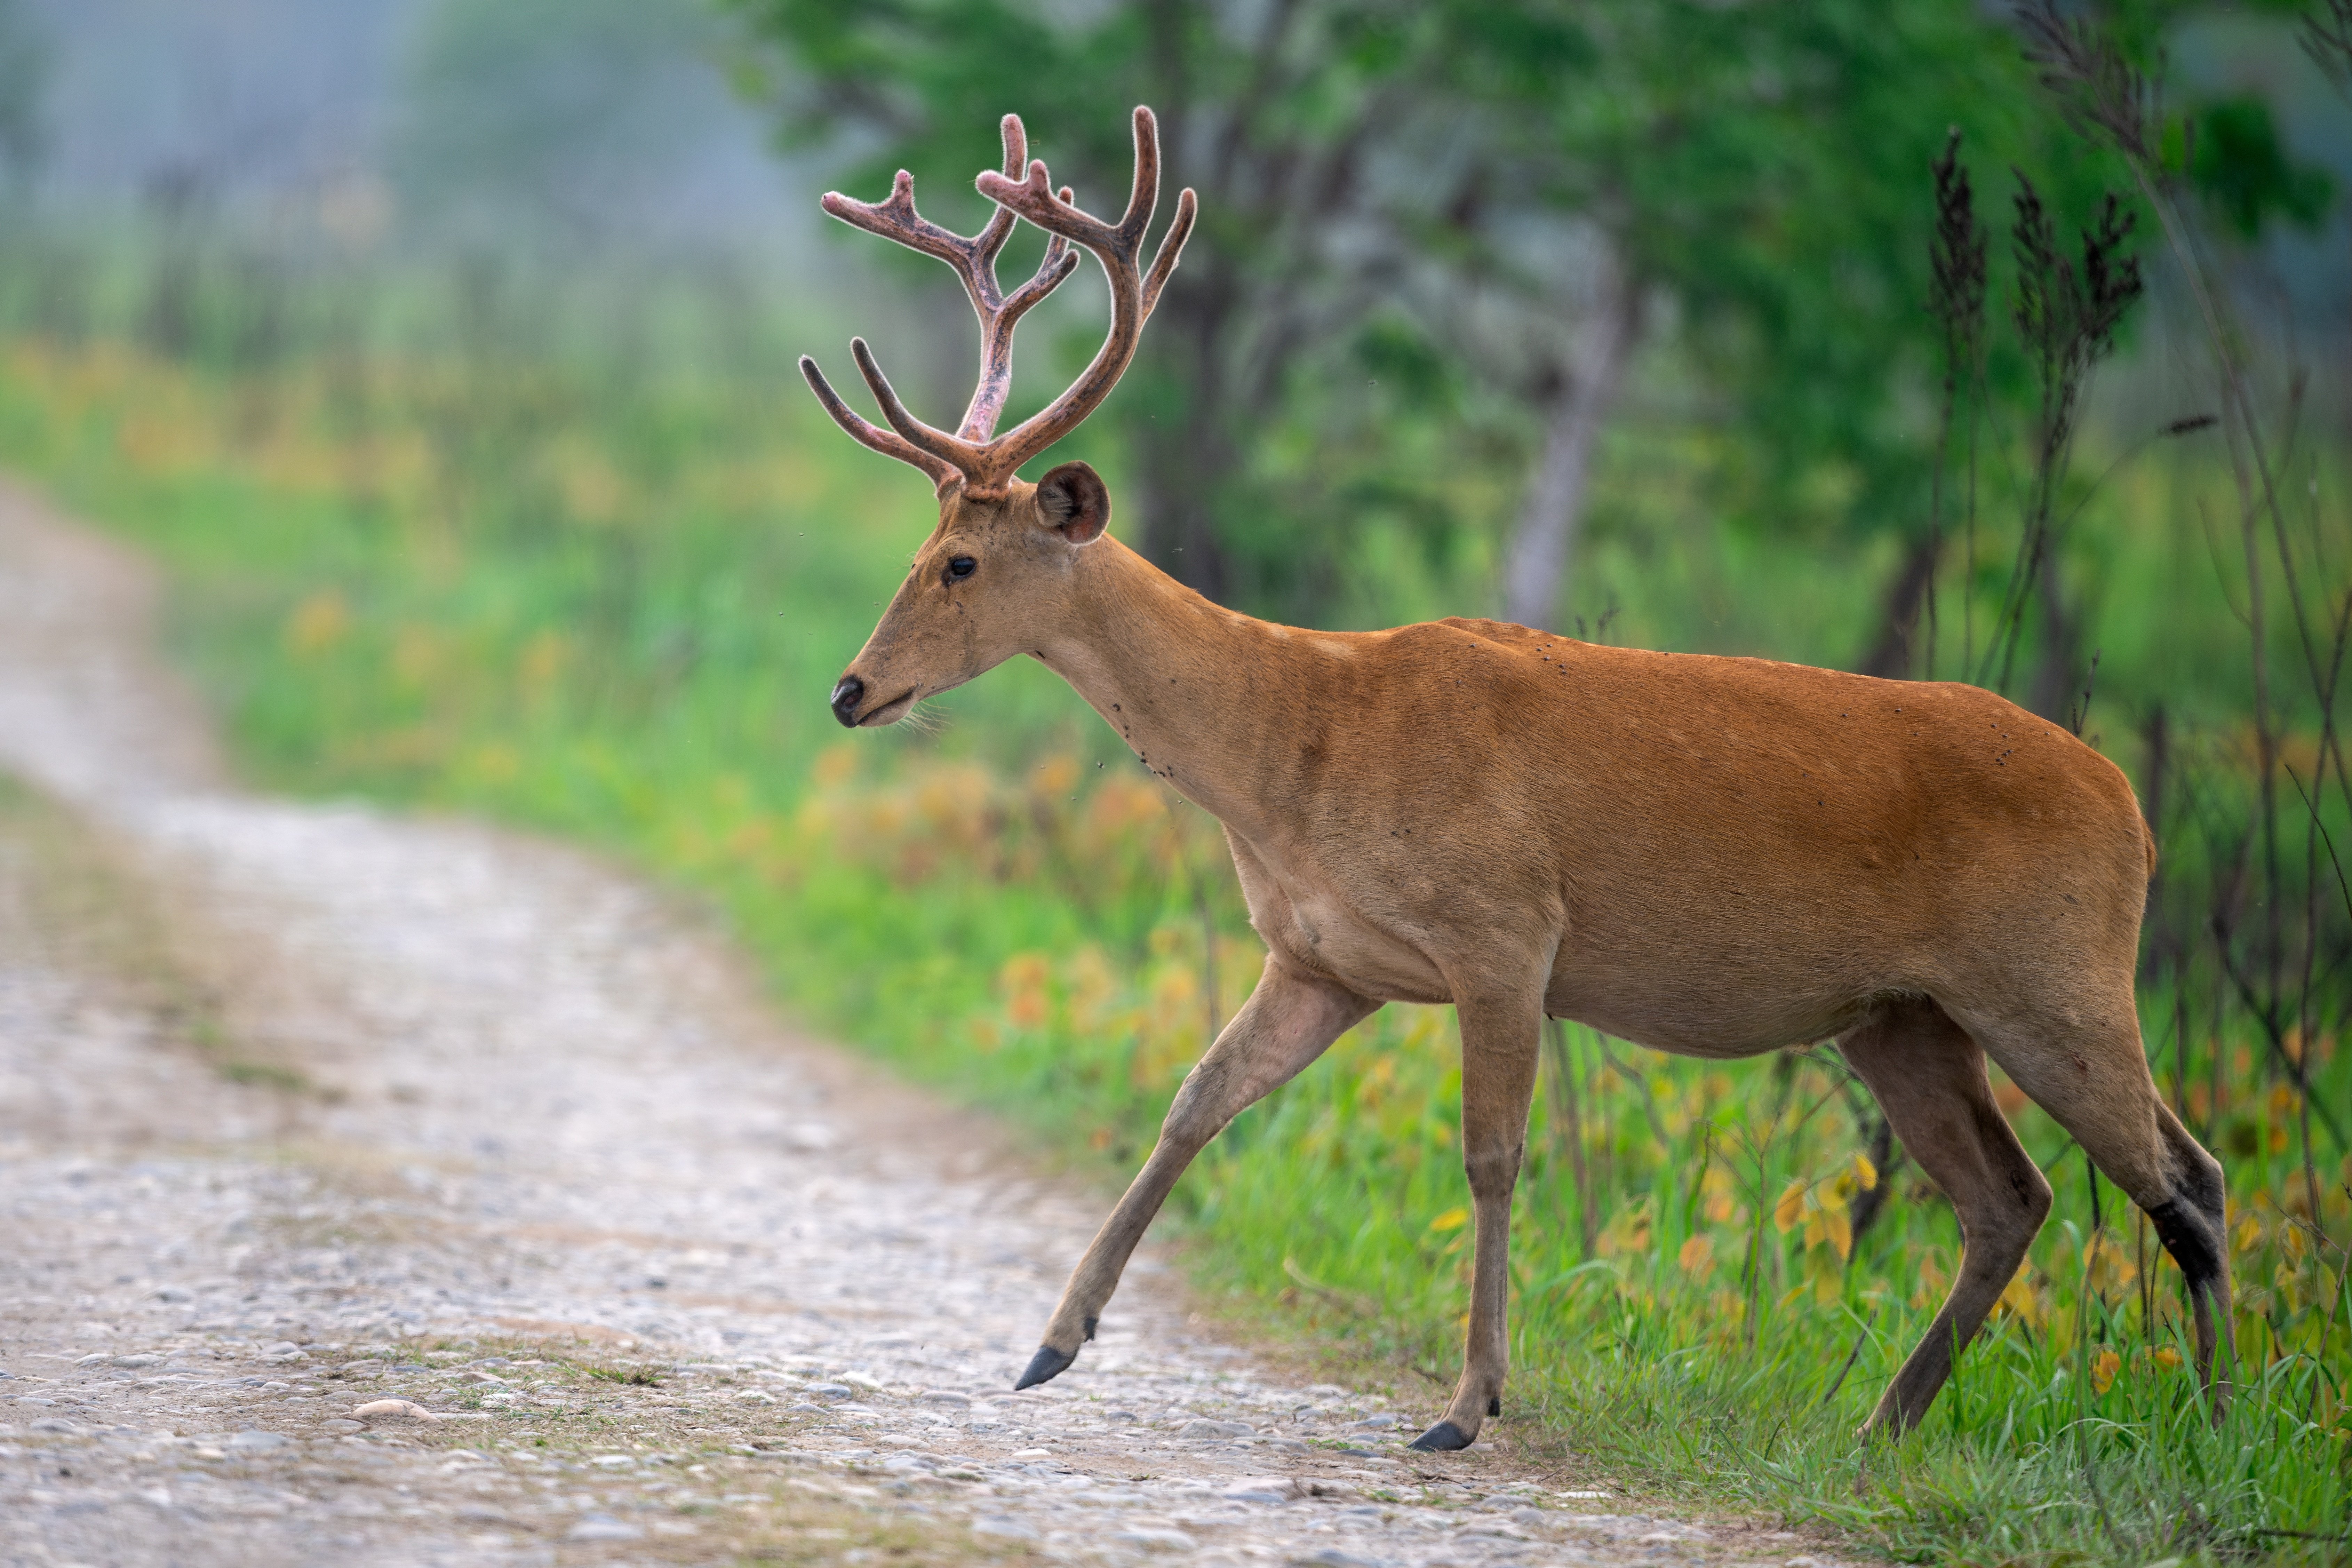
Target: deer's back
{"type": "Point", "coordinates": [1710, 833]}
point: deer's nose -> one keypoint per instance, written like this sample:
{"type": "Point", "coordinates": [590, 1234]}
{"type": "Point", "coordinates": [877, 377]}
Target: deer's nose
{"type": "Point", "coordinates": [846, 698]}
{"type": "Point", "coordinates": [845, 702]}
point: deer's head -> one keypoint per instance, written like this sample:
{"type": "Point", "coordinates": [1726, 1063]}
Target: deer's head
{"type": "Point", "coordinates": [1001, 562]}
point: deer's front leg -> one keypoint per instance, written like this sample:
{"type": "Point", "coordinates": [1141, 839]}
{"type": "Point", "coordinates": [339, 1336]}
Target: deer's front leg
{"type": "Point", "coordinates": [1499, 1079]}
{"type": "Point", "coordinates": [1288, 1021]}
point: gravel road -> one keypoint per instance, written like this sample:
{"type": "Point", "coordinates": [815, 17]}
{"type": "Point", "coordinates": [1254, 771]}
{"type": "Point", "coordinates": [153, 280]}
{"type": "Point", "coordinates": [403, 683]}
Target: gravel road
{"type": "Point", "coordinates": [408, 1192]}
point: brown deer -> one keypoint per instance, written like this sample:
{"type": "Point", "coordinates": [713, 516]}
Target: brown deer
{"type": "Point", "coordinates": [1714, 857]}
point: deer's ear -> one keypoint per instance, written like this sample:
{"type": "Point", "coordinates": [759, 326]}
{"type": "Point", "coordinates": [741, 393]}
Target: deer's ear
{"type": "Point", "coordinates": [1073, 502]}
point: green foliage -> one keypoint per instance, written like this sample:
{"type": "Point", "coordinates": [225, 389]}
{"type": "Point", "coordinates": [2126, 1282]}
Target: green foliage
{"type": "Point", "coordinates": [1280, 117]}
{"type": "Point", "coordinates": [617, 615]}
{"type": "Point", "coordinates": [1760, 167]}
{"type": "Point", "coordinates": [2240, 169]}
{"type": "Point", "coordinates": [1765, 166]}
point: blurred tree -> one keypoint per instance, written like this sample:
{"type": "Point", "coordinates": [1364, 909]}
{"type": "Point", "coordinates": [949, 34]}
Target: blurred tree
{"type": "Point", "coordinates": [1514, 193]}
{"type": "Point", "coordinates": [1286, 116]}
{"type": "Point", "coordinates": [1763, 167]}
{"type": "Point", "coordinates": [2106, 72]}
{"type": "Point", "coordinates": [1765, 170]}
{"type": "Point", "coordinates": [24, 76]}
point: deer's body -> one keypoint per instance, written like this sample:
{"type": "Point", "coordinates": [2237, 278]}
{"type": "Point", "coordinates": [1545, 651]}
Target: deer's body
{"type": "Point", "coordinates": [1828, 839]}
{"type": "Point", "coordinates": [1714, 856]}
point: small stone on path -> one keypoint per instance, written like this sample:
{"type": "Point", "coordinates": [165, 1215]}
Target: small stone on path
{"type": "Point", "coordinates": [394, 1410]}
{"type": "Point", "coordinates": [602, 1527]}
{"type": "Point", "coordinates": [1007, 1529]}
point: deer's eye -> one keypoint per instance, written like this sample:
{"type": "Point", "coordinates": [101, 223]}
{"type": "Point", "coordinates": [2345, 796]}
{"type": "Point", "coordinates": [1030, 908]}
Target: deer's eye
{"type": "Point", "coordinates": [959, 568]}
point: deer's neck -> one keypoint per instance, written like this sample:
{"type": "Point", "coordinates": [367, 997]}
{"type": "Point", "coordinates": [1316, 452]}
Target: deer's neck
{"type": "Point", "coordinates": [1200, 693]}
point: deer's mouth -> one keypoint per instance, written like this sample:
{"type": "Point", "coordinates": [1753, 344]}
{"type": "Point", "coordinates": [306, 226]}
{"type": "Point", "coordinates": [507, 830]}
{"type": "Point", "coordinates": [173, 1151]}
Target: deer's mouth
{"type": "Point", "coordinates": [889, 712]}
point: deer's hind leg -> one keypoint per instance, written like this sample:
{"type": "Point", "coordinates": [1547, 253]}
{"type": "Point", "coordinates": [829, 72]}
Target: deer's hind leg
{"type": "Point", "coordinates": [1930, 1079]}
{"type": "Point", "coordinates": [1288, 1021]}
{"type": "Point", "coordinates": [2087, 1069]}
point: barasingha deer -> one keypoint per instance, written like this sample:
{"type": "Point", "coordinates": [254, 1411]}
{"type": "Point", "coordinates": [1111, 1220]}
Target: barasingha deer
{"type": "Point", "coordinates": [1714, 857]}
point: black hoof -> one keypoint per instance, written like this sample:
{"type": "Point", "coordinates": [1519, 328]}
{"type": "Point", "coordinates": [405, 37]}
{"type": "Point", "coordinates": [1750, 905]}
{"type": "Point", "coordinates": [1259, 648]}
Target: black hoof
{"type": "Point", "coordinates": [1442, 1438]}
{"type": "Point", "coordinates": [1047, 1363]}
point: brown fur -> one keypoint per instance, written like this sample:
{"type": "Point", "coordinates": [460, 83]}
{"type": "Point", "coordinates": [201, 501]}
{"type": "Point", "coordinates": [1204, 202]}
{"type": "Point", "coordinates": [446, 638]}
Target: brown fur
{"type": "Point", "coordinates": [1714, 857]}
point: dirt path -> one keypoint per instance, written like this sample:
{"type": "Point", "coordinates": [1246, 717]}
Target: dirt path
{"type": "Point", "coordinates": [305, 1109]}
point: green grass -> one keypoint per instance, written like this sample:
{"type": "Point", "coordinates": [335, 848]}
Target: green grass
{"type": "Point", "coordinates": [614, 615]}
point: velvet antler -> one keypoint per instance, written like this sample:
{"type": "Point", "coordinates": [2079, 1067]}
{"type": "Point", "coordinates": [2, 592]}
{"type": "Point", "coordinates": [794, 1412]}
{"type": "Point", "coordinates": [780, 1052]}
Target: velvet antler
{"type": "Point", "coordinates": [985, 461]}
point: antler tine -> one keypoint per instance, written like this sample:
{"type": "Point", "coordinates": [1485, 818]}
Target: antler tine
{"type": "Point", "coordinates": [917, 434]}
{"type": "Point", "coordinates": [991, 239]}
{"type": "Point", "coordinates": [987, 465]}
{"type": "Point", "coordinates": [996, 326]}
{"type": "Point", "coordinates": [1033, 197]}
{"type": "Point", "coordinates": [883, 441]}
{"type": "Point", "coordinates": [1115, 246]}
{"type": "Point", "coordinates": [1143, 195]}
{"type": "Point", "coordinates": [974, 260]}
{"type": "Point", "coordinates": [1171, 246]}
{"type": "Point", "coordinates": [897, 220]}
{"type": "Point", "coordinates": [996, 337]}
{"type": "Point", "coordinates": [1058, 262]}
{"type": "Point", "coordinates": [999, 227]}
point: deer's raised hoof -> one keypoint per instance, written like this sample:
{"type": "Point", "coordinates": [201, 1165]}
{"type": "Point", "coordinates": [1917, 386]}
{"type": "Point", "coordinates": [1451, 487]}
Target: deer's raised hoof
{"type": "Point", "coordinates": [1047, 1363]}
{"type": "Point", "coordinates": [1442, 1438]}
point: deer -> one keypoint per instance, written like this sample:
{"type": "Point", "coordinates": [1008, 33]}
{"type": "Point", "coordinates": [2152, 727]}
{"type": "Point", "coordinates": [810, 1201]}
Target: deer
{"type": "Point", "coordinates": [1714, 857]}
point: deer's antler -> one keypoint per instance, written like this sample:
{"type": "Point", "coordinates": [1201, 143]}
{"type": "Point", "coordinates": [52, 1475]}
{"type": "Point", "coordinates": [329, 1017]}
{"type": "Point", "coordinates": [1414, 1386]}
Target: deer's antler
{"type": "Point", "coordinates": [941, 456]}
{"type": "Point", "coordinates": [984, 463]}
{"type": "Point", "coordinates": [1132, 295]}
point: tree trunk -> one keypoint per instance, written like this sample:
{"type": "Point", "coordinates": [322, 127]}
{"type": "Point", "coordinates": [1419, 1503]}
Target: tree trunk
{"type": "Point", "coordinates": [1890, 657]}
{"type": "Point", "coordinates": [1181, 472]}
{"type": "Point", "coordinates": [2058, 674]}
{"type": "Point", "coordinates": [1537, 572]}
{"type": "Point", "coordinates": [1185, 455]}
{"type": "Point", "coordinates": [2163, 942]}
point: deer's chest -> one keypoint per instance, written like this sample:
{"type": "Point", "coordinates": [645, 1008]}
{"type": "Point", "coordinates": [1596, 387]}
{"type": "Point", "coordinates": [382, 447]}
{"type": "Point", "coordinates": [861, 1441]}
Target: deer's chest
{"type": "Point", "coordinates": [1314, 919]}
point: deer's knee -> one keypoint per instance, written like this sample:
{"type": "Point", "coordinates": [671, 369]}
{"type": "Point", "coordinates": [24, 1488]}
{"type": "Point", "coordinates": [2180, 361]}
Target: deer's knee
{"type": "Point", "coordinates": [1494, 1171]}
{"type": "Point", "coordinates": [2007, 1212]}
{"type": "Point", "coordinates": [2024, 1191]}
{"type": "Point", "coordinates": [2033, 1197]}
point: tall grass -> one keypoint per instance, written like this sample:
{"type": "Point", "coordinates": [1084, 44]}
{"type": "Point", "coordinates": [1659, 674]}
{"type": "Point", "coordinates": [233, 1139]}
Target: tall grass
{"type": "Point", "coordinates": [611, 607]}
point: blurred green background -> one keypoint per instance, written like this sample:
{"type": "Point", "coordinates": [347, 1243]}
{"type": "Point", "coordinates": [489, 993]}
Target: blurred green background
{"type": "Point", "coordinates": [443, 351]}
